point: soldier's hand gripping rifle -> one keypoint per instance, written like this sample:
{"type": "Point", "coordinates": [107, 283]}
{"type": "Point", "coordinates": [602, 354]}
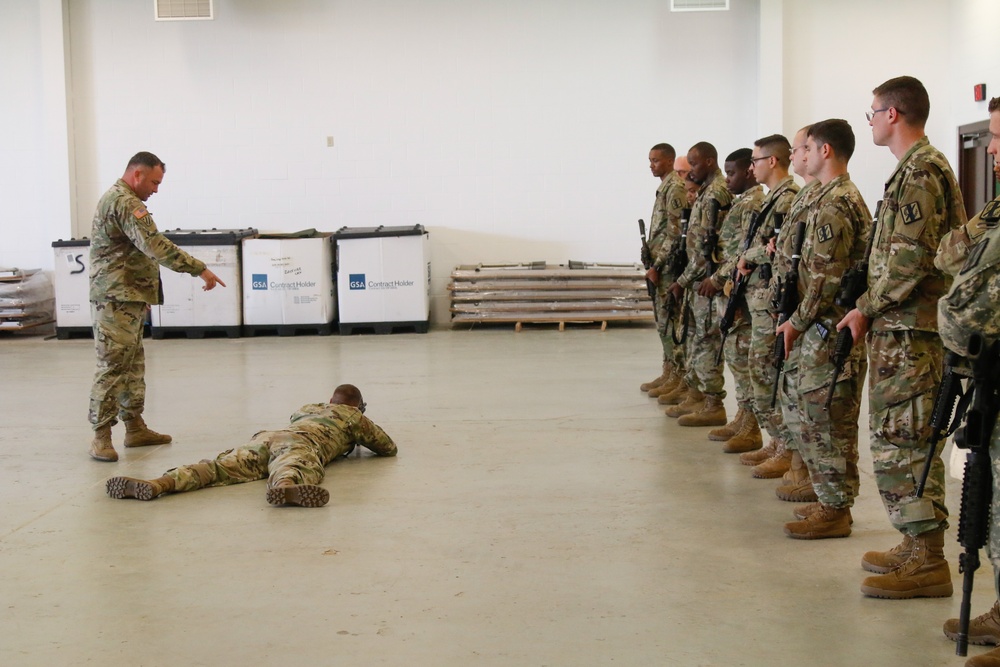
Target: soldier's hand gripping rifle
{"type": "Point", "coordinates": [738, 289]}
{"type": "Point", "coordinates": [853, 284]}
{"type": "Point", "coordinates": [786, 301]}
{"type": "Point", "coordinates": [977, 484]}
{"type": "Point", "coordinates": [677, 258]}
{"type": "Point", "coordinates": [647, 262]}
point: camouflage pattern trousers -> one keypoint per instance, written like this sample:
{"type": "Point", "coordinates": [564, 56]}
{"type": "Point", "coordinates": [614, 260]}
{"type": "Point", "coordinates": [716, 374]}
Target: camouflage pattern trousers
{"type": "Point", "coordinates": [993, 544]}
{"type": "Point", "coordinates": [827, 441]}
{"type": "Point", "coordinates": [279, 456]}
{"type": "Point", "coordinates": [905, 372]}
{"type": "Point", "coordinates": [667, 325]}
{"type": "Point", "coordinates": [762, 371]}
{"type": "Point", "coordinates": [119, 388]}
{"type": "Point", "coordinates": [704, 340]}
{"type": "Point", "coordinates": [737, 356]}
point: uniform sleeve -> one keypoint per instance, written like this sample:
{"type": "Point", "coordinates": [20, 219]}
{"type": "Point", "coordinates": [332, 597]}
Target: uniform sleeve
{"type": "Point", "coordinates": [695, 269]}
{"type": "Point", "coordinates": [919, 220]}
{"type": "Point", "coordinates": [734, 228]}
{"type": "Point", "coordinates": [825, 257]}
{"type": "Point", "coordinates": [671, 224]}
{"type": "Point", "coordinates": [970, 307]}
{"type": "Point", "coordinates": [138, 225]}
{"type": "Point", "coordinates": [369, 434]}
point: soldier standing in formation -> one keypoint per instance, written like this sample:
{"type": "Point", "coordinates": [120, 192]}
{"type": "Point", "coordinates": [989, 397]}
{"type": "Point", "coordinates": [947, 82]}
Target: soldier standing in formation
{"type": "Point", "coordinates": [922, 202]}
{"type": "Point", "coordinates": [664, 232]}
{"type": "Point", "coordinates": [972, 255]}
{"type": "Point", "coordinates": [125, 250]}
{"type": "Point", "coordinates": [742, 433]}
{"type": "Point", "coordinates": [833, 239]}
{"type": "Point", "coordinates": [702, 404]}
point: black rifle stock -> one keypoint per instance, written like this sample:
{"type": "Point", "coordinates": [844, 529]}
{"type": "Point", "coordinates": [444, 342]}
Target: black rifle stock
{"type": "Point", "coordinates": [647, 262]}
{"type": "Point", "coordinates": [765, 270]}
{"type": "Point", "coordinates": [853, 284]}
{"type": "Point", "coordinates": [711, 238]}
{"type": "Point", "coordinates": [677, 258]}
{"type": "Point", "coordinates": [787, 300]}
{"type": "Point", "coordinates": [738, 288]}
{"type": "Point", "coordinates": [977, 484]}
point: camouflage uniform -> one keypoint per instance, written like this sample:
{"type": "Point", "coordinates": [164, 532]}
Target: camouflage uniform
{"type": "Point", "coordinates": [737, 345]}
{"type": "Point", "coordinates": [665, 230]}
{"type": "Point", "coordinates": [318, 433]}
{"type": "Point", "coordinates": [973, 255]}
{"type": "Point", "coordinates": [836, 232]}
{"type": "Point", "coordinates": [922, 202]}
{"type": "Point", "coordinates": [704, 338]}
{"type": "Point", "coordinates": [778, 201]}
{"type": "Point", "coordinates": [125, 248]}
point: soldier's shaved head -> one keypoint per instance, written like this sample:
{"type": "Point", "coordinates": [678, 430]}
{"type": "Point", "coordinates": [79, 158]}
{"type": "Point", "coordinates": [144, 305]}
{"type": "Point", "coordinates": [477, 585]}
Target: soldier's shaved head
{"type": "Point", "coordinates": [145, 159]}
{"type": "Point", "coordinates": [347, 394]}
{"type": "Point", "coordinates": [776, 146]}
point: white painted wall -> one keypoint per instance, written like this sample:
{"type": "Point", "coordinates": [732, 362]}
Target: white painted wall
{"type": "Point", "coordinates": [513, 130]}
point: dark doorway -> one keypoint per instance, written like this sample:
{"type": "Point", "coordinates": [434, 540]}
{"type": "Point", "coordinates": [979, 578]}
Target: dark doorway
{"type": "Point", "coordinates": [975, 167]}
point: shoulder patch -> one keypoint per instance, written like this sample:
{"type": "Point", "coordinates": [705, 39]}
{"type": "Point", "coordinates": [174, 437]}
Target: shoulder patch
{"type": "Point", "coordinates": [140, 213]}
{"type": "Point", "coordinates": [991, 213]}
{"type": "Point", "coordinates": [974, 256]}
{"type": "Point", "coordinates": [911, 212]}
{"type": "Point", "coordinates": [824, 233]}
{"type": "Point", "coordinates": [676, 203]}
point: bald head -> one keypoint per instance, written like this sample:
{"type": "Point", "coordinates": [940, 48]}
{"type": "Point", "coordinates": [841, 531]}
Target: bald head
{"type": "Point", "coordinates": [682, 166]}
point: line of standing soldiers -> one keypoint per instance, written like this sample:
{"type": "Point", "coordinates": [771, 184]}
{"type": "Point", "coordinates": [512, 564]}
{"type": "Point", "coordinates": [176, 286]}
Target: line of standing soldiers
{"type": "Point", "coordinates": [804, 292]}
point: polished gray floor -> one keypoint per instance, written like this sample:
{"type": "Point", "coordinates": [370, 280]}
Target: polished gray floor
{"type": "Point", "coordinates": [542, 511]}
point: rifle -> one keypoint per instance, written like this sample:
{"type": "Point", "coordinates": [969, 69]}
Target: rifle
{"type": "Point", "coordinates": [677, 257]}
{"type": "Point", "coordinates": [647, 262]}
{"type": "Point", "coordinates": [977, 484]}
{"type": "Point", "coordinates": [786, 300]}
{"type": "Point", "coordinates": [948, 392]}
{"type": "Point", "coordinates": [853, 284]}
{"type": "Point", "coordinates": [779, 220]}
{"type": "Point", "coordinates": [738, 288]}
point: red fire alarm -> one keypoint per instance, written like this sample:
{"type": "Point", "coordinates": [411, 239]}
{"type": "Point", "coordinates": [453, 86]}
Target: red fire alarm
{"type": "Point", "coordinates": [980, 91]}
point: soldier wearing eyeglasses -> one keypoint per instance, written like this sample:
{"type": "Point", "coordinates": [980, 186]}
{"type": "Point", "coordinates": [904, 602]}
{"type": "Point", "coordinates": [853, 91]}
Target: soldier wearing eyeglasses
{"type": "Point", "coordinates": [898, 314]}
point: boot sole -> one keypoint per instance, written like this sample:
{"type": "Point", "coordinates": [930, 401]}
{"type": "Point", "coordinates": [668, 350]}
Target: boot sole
{"type": "Point", "coordinates": [815, 536]}
{"type": "Point", "coordinates": [793, 497]}
{"type": "Point", "coordinates": [939, 591]}
{"type": "Point", "coordinates": [718, 437]}
{"type": "Point", "coordinates": [110, 457]}
{"type": "Point", "coordinates": [740, 449]}
{"type": "Point", "coordinates": [767, 474]}
{"type": "Point", "coordinates": [127, 487]}
{"type": "Point", "coordinates": [978, 640]}
{"type": "Point", "coordinates": [147, 443]}
{"type": "Point", "coordinates": [302, 495]}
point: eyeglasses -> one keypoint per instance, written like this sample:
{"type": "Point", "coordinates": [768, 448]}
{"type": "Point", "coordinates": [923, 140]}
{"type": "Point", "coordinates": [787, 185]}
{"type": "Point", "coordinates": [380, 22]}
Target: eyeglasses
{"type": "Point", "coordinates": [755, 160]}
{"type": "Point", "coordinates": [871, 114]}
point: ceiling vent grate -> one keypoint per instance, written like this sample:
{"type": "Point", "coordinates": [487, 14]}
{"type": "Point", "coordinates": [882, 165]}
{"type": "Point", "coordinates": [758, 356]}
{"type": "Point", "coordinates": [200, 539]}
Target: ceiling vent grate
{"type": "Point", "coordinates": [699, 5]}
{"type": "Point", "coordinates": [183, 10]}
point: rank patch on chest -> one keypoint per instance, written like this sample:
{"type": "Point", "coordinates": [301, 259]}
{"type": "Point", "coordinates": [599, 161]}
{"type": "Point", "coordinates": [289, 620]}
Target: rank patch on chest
{"type": "Point", "coordinates": [824, 233]}
{"type": "Point", "coordinates": [974, 256]}
{"type": "Point", "coordinates": [911, 212]}
{"type": "Point", "coordinates": [140, 213]}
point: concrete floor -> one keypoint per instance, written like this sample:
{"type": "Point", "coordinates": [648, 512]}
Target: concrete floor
{"type": "Point", "coordinates": [542, 511]}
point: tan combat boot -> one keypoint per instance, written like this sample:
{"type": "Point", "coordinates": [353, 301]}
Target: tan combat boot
{"type": "Point", "coordinates": [824, 523]}
{"type": "Point", "coordinates": [140, 489]}
{"type": "Point", "coordinates": [692, 402]}
{"type": "Point", "coordinates": [776, 466]}
{"type": "Point", "coordinates": [675, 380]}
{"type": "Point", "coordinates": [646, 386]}
{"type": "Point", "coordinates": [983, 630]}
{"type": "Point", "coordinates": [747, 439]}
{"type": "Point", "coordinates": [137, 434]}
{"type": "Point", "coordinates": [303, 495]}
{"type": "Point", "coordinates": [101, 447]}
{"type": "Point", "coordinates": [988, 659]}
{"type": "Point", "coordinates": [805, 511]}
{"type": "Point", "coordinates": [798, 488]}
{"type": "Point", "coordinates": [881, 562]}
{"type": "Point", "coordinates": [711, 413]}
{"type": "Point", "coordinates": [676, 395]}
{"type": "Point", "coordinates": [925, 574]}
{"type": "Point", "coordinates": [759, 456]}
{"type": "Point", "coordinates": [724, 433]}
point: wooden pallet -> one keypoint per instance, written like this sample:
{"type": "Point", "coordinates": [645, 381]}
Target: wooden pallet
{"type": "Point", "coordinates": [549, 294]}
